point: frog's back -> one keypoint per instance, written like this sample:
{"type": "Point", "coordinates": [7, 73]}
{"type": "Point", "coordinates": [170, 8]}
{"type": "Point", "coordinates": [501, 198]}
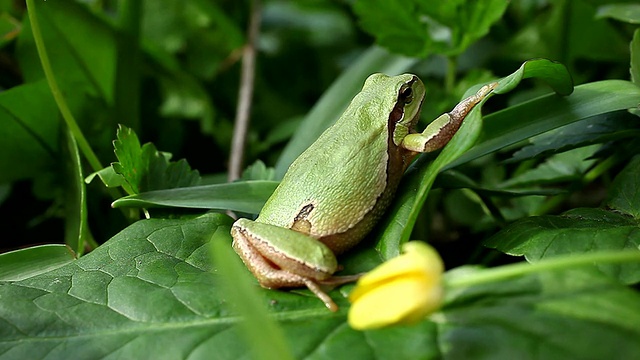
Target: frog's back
{"type": "Point", "coordinates": [334, 184]}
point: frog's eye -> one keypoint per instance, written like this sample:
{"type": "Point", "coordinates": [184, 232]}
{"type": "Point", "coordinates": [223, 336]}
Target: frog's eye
{"type": "Point", "coordinates": [406, 95]}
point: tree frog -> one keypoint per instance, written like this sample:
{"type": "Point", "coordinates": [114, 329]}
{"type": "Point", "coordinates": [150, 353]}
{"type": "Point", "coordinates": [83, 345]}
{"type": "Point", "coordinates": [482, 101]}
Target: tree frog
{"type": "Point", "coordinates": [336, 190]}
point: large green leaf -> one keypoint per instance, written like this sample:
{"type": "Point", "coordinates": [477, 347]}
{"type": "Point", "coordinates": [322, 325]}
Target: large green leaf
{"type": "Point", "coordinates": [266, 340]}
{"type": "Point", "coordinates": [574, 314]}
{"type": "Point", "coordinates": [153, 292]}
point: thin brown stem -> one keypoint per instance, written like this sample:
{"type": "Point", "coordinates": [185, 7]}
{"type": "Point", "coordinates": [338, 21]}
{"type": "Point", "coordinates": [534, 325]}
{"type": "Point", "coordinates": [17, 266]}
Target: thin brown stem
{"type": "Point", "coordinates": [245, 94]}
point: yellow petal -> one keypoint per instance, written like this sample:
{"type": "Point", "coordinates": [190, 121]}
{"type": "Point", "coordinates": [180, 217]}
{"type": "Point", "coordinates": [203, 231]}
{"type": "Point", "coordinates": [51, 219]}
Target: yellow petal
{"type": "Point", "coordinates": [405, 301]}
{"type": "Point", "coordinates": [418, 257]}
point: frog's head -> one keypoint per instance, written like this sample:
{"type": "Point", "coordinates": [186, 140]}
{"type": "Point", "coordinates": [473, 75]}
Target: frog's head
{"type": "Point", "coordinates": [392, 103]}
{"type": "Point", "coordinates": [408, 92]}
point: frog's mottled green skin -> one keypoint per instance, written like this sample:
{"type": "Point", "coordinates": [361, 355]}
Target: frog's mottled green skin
{"type": "Point", "coordinates": [342, 183]}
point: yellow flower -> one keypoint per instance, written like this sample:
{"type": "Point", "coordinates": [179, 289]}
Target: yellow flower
{"type": "Point", "coordinates": [402, 290]}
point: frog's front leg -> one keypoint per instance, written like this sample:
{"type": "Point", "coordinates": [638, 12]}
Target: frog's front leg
{"type": "Point", "coordinates": [440, 131]}
{"type": "Point", "coordinates": [280, 257]}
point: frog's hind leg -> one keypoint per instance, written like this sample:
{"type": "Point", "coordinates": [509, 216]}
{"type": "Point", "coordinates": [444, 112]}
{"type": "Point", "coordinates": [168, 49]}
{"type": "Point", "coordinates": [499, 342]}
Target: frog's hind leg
{"type": "Point", "coordinates": [271, 277]}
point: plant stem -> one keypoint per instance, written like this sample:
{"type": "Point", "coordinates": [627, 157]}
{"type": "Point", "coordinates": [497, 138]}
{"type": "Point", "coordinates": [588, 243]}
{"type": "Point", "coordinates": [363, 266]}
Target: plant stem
{"type": "Point", "coordinates": [83, 144]}
{"type": "Point", "coordinates": [70, 121]}
{"type": "Point", "coordinates": [559, 263]}
{"type": "Point", "coordinates": [246, 93]}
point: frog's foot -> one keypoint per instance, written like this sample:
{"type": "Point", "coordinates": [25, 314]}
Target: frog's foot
{"type": "Point", "coordinates": [317, 291]}
{"type": "Point", "coordinates": [315, 287]}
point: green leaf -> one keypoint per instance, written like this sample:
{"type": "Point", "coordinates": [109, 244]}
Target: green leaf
{"type": "Point", "coordinates": [577, 231]}
{"type": "Point", "coordinates": [553, 73]}
{"type": "Point", "coordinates": [152, 292]}
{"type": "Point", "coordinates": [624, 193]}
{"type": "Point", "coordinates": [593, 130]}
{"type": "Point", "coordinates": [394, 24]}
{"type": "Point", "coordinates": [333, 101]}
{"type": "Point", "coordinates": [24, 263]}
{"type": "Point", "coordinates": [263, 336]}
{"type": "Point", "coordinates": [567, 166]}
{"type": "Point", "coordinates": [258, 171]}
{"type": "Point", "coordinates": [624, 12]}
{"type": "Point", "coordinates": [136, 284]}
{"type": "Point", "coordinates": [576, 314]}
{"type": "Point", "coordinates": [420, 29]}
{"type": "Point", "coordinates": [144, 168]}
{"type": "Point", "coordinates": [76, 223]}
{"type": "Point", "coordinates": [108, 176]}
{"type": "Point", "coordinates": [520, 122]}
{"type": "Point", "coordinates": [243, 196]}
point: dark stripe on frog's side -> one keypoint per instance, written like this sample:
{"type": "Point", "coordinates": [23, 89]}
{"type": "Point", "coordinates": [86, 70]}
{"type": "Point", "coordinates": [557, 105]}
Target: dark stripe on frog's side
{"type": "Point", "coordinates": [300, 222]}
{"type": "Point", "coordinates": [398, 161]}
